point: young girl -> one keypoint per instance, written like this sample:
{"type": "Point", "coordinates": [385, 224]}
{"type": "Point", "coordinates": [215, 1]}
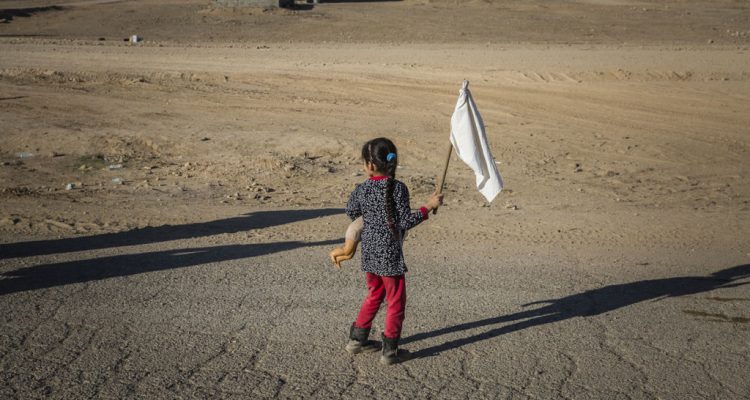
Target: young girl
{"type": "Point", "coordinates": [383, 204]}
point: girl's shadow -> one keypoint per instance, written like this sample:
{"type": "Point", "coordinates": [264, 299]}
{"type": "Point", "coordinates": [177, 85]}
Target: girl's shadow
{"type": "Point", "coordinates": [66, 273]}
{"type": "Point", "coordinates": [164, 233]}
{"type": "Point", "coordinates": [590, 302]}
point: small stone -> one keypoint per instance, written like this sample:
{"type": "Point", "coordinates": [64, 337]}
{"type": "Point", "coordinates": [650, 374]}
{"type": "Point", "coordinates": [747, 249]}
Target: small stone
{"type": "Point", "coordinates": [9, 221]}
{"type": "Point", "coordinates": [59, 224]}
{"type": "Point", "coordinates": [73, 185]}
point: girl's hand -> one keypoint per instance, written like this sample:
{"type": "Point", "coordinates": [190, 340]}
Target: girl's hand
{"type": "Point", "coordinates": [434, 202]}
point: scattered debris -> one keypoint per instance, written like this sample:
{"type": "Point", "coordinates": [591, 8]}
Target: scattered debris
{"type": "Point", "coordinates": [117, 181]}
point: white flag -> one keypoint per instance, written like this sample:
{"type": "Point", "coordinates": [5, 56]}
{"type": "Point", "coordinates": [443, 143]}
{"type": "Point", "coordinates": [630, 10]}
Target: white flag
{"type": "Point", "coordinates": [470, 143]}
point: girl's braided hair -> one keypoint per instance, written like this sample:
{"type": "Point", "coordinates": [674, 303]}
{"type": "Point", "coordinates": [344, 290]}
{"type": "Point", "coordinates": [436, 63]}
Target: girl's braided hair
{"type": "Point", "coordinates": [382, 153]}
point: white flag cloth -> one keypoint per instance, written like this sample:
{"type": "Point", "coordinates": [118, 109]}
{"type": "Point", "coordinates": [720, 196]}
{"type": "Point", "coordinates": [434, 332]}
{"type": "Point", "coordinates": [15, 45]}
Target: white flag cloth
{"type": "Point", "coordinates": [470, 143]}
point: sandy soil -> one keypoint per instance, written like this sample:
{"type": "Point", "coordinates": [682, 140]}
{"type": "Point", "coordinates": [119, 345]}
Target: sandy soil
{"type": "Point", "coordinates": [208, 167]}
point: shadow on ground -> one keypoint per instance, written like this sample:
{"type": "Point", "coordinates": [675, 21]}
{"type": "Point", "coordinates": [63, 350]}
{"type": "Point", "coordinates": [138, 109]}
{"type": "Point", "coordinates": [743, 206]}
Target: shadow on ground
{"type": "Point", "coordinates": [13, 97]}
{"type": "Point", "coordinates": [256, 220]}
{"type": "Point", "coordinates": [65, 273]}
{"type": "Point", "coordinates": [8, 14]}
{"type": "Point", "coordinates": [588, 303]}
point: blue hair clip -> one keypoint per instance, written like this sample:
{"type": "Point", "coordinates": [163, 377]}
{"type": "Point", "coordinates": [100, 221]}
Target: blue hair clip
{"type": "Point", "coordinates": [390, 157]}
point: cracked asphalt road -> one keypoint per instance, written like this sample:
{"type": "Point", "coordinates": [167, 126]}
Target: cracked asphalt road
{"type": "Point", "coordinates": [193, 319]}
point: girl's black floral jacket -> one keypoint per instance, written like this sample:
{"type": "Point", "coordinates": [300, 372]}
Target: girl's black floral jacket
{"type": "Point", "coordinates": [382, 253]}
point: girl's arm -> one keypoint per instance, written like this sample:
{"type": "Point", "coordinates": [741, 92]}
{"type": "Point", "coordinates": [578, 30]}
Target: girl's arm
{"type": "Point", "coordinates": [353, 208]}
{"type": "Point", "coordinates": [353, 234]}
{"type": "Point", "coordinates": [406, 218]}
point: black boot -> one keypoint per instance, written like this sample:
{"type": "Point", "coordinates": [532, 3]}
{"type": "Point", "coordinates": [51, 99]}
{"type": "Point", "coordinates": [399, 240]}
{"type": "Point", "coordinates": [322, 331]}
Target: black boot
{"type": "Point", "coordinates": [391, 353]}
{"type": "Point", "coordinates": [358, 342]}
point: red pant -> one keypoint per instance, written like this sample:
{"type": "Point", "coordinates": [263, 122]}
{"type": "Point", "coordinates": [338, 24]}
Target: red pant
{"type": "Point", "coordinates": [393, 290]}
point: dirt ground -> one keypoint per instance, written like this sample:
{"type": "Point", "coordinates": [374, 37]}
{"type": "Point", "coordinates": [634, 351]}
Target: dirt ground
{"type": "Point", "coordinates": [167, 206]}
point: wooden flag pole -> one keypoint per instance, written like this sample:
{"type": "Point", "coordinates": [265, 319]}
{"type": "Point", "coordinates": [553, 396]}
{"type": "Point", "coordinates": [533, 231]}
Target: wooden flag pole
{"type": "Point", "coordinates": [445, 172]}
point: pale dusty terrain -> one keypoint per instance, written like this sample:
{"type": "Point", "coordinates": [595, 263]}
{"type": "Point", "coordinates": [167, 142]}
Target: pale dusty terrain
{"type": "Point", "coordinates": [614, 265]}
